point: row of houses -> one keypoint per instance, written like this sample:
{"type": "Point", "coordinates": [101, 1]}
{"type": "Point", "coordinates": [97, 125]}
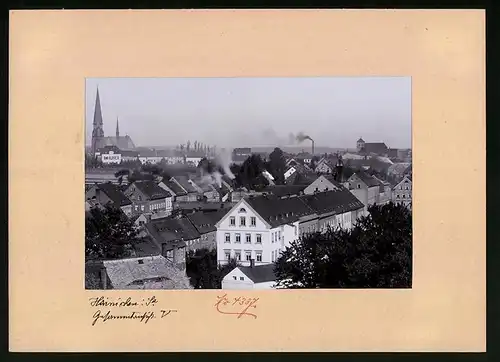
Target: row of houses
{"type": "Point", "coordinates": [113, 155]}
{"type": "Point", "coordinates": [254, 230]}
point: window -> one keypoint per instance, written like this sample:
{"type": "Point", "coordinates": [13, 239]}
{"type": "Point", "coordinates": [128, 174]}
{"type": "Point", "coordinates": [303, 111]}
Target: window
{"type": "Point", "coordinates": [295, 229]}
{"type": "Point", "coordinates": [404, 196]}
{"type": "Point", "coordinates": [272, 256]}
{"type": "Point", "coordinates": [227, 254]}
{"type": "Point", "coordinates": [279, 235]}
{"type": "Point", "coordinates": [406, 188]}
{"type": "Point", "coordinates": [359, 186]}
{"type": "Point", "coordinates": [397, 196]}
{"type": "Point", "coordinates": [259, 239]}
{"type": "Point", "coordinates": [253, 221]}
{"type": "Point", "coordinates": [258, 256]}
{"type": "Point", "coordinates": [243, 221]}
{"type": "Point", "coordinates": [237, 255]}
{"type": "Point", "coordinates": [238, 238]}
{"type": "Point", "coordinates": [243, 210]}
{"type": "Point", "coordinates": [272, 237]}
{"type": "Point", "coordinates": [142, 207]}
{"type": "Point", "coordinates": [232, 221]}
{"type": "Point", "coordinates": [248, 238]}
{"type": "Point", "coordinates": [248, 255]}
{"type": "Point", "coordinates": [241, 278]}
{"type": "Point", "coordinates": [227, 238]}
{"type": "Point", "coordinates": [235, 278]}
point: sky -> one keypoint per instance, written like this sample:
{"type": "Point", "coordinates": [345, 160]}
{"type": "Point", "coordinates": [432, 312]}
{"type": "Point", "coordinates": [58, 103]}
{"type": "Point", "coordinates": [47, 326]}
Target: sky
{"type": "Point", "coordinates": [245, 112]}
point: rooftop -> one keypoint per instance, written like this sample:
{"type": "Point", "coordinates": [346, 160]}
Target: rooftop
{"type": "Point", "coordinates": [259, 273]}
{"type": "Point", "coordinates": [152, 190]}
{"type": "Point", "coordinates": [154, 272]}
{"type": "Point", "coordinates": [114, 193]}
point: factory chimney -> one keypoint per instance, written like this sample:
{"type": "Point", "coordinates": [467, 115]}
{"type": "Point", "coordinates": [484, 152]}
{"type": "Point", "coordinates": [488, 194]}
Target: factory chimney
{"type": "Point", "coordinates": [312, 142]}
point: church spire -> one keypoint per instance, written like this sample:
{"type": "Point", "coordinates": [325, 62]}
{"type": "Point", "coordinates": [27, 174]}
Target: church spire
{"type": "Point", "coordinates": [97, 110]}
{"type": "Point", "coordinates": [117, 128]}
{"type": "Point", "coordinates": [98, 128]}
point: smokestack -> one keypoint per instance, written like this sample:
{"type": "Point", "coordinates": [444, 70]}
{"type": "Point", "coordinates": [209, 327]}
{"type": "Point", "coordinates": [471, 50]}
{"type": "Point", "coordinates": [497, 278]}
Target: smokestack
{"type": "Point", "coordinates": [312, 142]}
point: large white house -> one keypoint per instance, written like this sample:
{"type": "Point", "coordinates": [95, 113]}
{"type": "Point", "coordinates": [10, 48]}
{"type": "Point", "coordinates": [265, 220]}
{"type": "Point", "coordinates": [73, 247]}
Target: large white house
{"type": "Point", "coordinates": [260, 227]}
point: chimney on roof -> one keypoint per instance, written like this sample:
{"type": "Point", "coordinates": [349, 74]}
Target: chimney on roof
{"type": "Point", "coordinates": [252, 263]}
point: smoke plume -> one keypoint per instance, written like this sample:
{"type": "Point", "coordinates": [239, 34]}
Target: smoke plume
{"type": "Point", "coordinates": [223, 159]}
{"type": "Point", "coordinates": [302, 137]}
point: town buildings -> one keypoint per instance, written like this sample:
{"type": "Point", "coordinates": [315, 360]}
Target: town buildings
{"type": "Point", "coordinates": [260, 227]}
{"type": "Point", "coordinates": [402, 193]}
{"type": "Point", "coordinates": [148, 198]}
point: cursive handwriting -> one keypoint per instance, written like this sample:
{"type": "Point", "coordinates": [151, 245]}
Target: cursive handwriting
{"type": "Point", "coordinates": [105, 312]}
{"type": "Point", "coordinates": [140, 317]}
{"type": "Point", "coordinates": [237, 305]}
{"type": "Point", "coordinates": [119, 302]}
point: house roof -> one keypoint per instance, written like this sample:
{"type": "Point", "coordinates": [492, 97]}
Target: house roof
{"type": "Point", "coordinates": [146, 247]}
{"type": "Point", "coordinates": [205, 222]}
{"type": "Point", "coordinates": [398, 168]}
{"type": "Point", "coordinates": [259, 273]}
{"type": "Point", "coordinates": [367, 179]}
{"type": "Point", "coordinates": [338, 201]}
{"type": "Point", "coordinates": [360, 140]}
{"type": "Point", "coordinates": [276, 211]}
{"type": "Point", "coordinates": [242, 150]}
{"type": "Point", "coordinates": [171, 229]}
{"type": "Point", "coordinates": [285, 190]}
{"type": "Point", "coordinates": [298, 178]}
{"type": "Point", "coordinates": [129, 153]}
{"type": "Point", "coordinates": [184, 182]}
{"type": "Point", "coordinates": [127, 273]}
{"type": "Point", "coordinates": [178, 191]}
{"type": "Point", "coordinates": [152, 190]}
{"type": "Point", "coordinates": [115, 194]}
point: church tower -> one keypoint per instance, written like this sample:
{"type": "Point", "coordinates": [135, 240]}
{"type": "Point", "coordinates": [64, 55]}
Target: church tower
{"type": "Point", "coordinates": [98, 127]}
{"type": "Point", "coordinates": [117, 130]}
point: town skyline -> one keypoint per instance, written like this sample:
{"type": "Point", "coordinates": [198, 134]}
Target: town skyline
{"type": "Point", "coordinates": [143, 104]}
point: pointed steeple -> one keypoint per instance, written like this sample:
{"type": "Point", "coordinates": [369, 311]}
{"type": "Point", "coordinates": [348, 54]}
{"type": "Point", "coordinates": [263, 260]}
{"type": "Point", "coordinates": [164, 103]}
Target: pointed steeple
{"type": "Point", "coordinates": [97, 129]}
{"type": "Point", "coordinates": [97, 110]}
{"type": "Point", "coordinates": [117, 128]}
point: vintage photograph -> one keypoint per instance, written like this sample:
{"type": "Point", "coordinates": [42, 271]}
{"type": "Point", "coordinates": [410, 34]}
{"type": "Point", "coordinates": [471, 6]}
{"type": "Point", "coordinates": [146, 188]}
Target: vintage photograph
{"type": "Point", "coordinates": [248, 183]}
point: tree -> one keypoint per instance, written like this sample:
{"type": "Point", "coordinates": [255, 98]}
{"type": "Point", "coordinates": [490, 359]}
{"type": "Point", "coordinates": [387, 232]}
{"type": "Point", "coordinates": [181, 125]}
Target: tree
{"type": "Point", "coordinates": [375, 253]}
{"type": "Point", "coordinates": [203, 270]}
{"type": "Point", "coordinates": [109, 234]}
{"type": "Point", "coordinates": [276, 165]}
{"type": "Point", "coordinates": [120, 173]}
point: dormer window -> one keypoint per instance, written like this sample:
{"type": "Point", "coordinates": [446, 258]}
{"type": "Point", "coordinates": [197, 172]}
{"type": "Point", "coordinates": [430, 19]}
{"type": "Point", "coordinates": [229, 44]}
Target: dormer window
{"type": "Point", "coordinates": [243, 210]}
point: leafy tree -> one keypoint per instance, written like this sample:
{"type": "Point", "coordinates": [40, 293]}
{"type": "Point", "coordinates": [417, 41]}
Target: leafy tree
{"type": "Point", "coordinates": [375, 253]}
{"type": "Point", "coordinates": [203, 270]}
{"type": "Point", "coordinates": [120, 173]}
{"type": "Point", "coordinates": [109, 234]}
{"type": "Point", "coordinates": [276, 165]}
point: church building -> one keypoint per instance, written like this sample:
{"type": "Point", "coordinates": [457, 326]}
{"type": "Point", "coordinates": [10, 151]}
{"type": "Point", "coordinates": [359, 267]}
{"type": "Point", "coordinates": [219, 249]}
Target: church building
{"type": "Point", "coordinates": [99, 141]}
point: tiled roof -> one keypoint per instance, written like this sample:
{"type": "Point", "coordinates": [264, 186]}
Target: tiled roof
{"type": "Point", "coordinates": [146, 247]}
{"type": "Point", "coordinates": [115, 194]}
{"type": "Point", "coordinates": [399, 168]}
{"type": "Point", "coordinates": [276, 211]}
{"type": "Point", "coordinates": [155, 271]}
{"type": "Point", "coordinates": [171, 229]}
{"type": "Point", "coordinates": [205, 221]}
{"type": "Point", "coordinates": [178, 191]}
{"type": "Point", "coordinates": [259, 273]}
{"type": "Point", "coordinates": [367, 179]}
{"type": "Point", "coordinates": [152, 190]}
{"type": "Point", "coordinates": [184, 182]}
{"type": "Point", "coordinates": [339, 202]}
{"type": "Point", "coordinates": [285, 190]}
